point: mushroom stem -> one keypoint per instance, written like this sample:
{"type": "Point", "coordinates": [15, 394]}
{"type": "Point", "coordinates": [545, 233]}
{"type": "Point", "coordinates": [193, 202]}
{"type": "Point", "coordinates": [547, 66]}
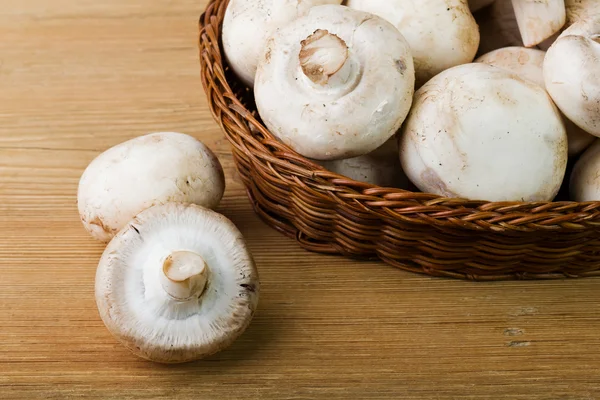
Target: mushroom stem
{"type": "Point", "coordinates": [539, 20]}
{"type": "Point", "coordinates": [184, 275]}
{"type": "Point", "coordinates": [323, 56]}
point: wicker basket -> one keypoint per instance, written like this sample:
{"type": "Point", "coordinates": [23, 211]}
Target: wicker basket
{"type": "Point", "coordinates": [423, 233]}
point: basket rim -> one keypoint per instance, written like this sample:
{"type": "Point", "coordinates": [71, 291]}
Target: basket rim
{"type": "Point", "coordinates": [530, 216]}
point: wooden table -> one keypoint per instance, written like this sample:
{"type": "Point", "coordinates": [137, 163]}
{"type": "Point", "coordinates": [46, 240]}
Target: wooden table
{"type": "Point", "coordinates": [77, 77]}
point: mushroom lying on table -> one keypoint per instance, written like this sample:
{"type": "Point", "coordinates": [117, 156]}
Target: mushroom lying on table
{"type": "Point", "coordinates": [483, 133]}
{"type": "Point", "coordinates": [144, 171]}
{"type": "Point", "coordinates": [336, 83]}
{"type": "Point", "coordinates": [177, 284]}
{"type": "Point", "coordinates": [247, 24]}
{"type": "Point", "coordinates": [572, 73]}
{"type": "Point", "coordinates": [528, 63]}
{"type": "Point", "coordinates": [441, 33]}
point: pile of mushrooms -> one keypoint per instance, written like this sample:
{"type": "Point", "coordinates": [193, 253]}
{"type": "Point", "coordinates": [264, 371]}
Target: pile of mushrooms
{"type": "Point", "coordinates": [176, 281]}
{"type": "Point", "coordinates": [474, 99]}
{"type": "Point", "coordinates": [478, 99]}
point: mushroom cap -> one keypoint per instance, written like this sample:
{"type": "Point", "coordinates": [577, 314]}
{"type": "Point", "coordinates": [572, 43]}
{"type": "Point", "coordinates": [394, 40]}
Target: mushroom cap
{"type": "Point", "coordinates": [441, 33]}
{"type": "Point", "coordinates": [349, 112]}
{"type": "Point", "coordinates": [480, 132]}
{"type": "Point", "coordinates": [141, 315]}
{"type": "Point", "coordinates": [144, 171]}
{"type": "Point", "coordinates": [584, 182]}
{"type": "Point", "coordinates": [528, 63]}
{"type": "Point", "coordinates": [247, 24]}
{"type": "Point", "coordinates": [572, 73]}
{"type": "Point", "coordinates": [381, 167]}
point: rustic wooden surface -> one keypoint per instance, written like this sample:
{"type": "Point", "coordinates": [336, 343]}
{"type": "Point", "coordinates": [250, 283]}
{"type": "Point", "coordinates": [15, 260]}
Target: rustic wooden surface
{"type": "Point", "coordinates": [79, 76]}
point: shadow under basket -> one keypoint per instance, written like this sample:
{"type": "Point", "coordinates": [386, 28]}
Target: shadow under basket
{"type": "Point", "coordinates": [419, 232]}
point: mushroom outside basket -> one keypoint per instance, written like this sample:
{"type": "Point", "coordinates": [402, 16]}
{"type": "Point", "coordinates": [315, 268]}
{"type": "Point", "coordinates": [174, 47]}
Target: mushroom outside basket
{"type": "Point", "coordinates": [419, 232]}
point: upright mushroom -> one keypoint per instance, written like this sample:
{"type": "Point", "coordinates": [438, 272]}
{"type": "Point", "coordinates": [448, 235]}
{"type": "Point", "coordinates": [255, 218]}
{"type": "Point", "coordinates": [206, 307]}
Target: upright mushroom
{"type": "Point", "coordinates": [572, 73]}
{"type": "Point", "coordinates": [539, 20]}
{"type": "Point", "coordinates": [480, 132]}
{"type": "Point", "coordinates": [247, 24]}
{"type": "Point", "coordinates": [441, 33]}
{"type": "Point", "coordinates": [336, 83]}
{"type": "Point", "coordinates": [528, 63]}
{"type": "Point", "coordinates": [144, 171]}
{"type": "Point", "coordinates": [177, 284]}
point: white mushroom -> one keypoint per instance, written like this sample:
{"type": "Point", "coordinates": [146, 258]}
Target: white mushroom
{"type": "Point", "coordinates": [441, 33]}
{"type": "Point", "coordinates": [528, 63]}
{"type": "Point", "coordinates": [337, 83]}
{"type": "Point", "coordinates": [480, 132]}
{"type": "Point", "coordinates": [539, 20]}
{"type": "Point", "coordinates": [476, 5]}
{"type": "Point", "coordinates": [584, 183]}
{"type": "Point", "coordinates": [144, 171]}
{"type": "Point", "coordinates": [248, 24]}
{"type": "Point", "coordinates": [177, 284]}
{"type": "Point", "coordinates": [572, 74]}
{"type": "Point", "coordinates": [381, 167]}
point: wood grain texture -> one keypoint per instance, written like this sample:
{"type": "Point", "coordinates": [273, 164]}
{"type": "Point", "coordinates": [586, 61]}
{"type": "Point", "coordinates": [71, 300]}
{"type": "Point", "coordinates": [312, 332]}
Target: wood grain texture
{"type": "Point", "coordinates": [78, 77]}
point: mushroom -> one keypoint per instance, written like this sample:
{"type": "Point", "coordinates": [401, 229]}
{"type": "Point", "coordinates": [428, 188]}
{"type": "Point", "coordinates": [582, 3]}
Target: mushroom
{"type": "Point", "coordinates": [483, 133]}
{"type": "Point", "coordinates": [584, 183]}
{"type": "Point", "coordinates": [441, 33]}
{"type": "Point", "coordinates": [247, 25]}
{"type": "Point", "coordinates": [336, 83]}
{"type": "Point", "coordinates": [539, 20]}
{"type": "Point", "coordinates": [177, 284]}
{"type": "Point", "coordinates": [528, 63]}
{"type": "Point", "coordinates": [144, 171]}
{"type": "Point", "coordinates": [572, 73]}
{"type": "Point", "coordinates": [476, 5]}
{"type": "Point", "coordinates": [381, 167]}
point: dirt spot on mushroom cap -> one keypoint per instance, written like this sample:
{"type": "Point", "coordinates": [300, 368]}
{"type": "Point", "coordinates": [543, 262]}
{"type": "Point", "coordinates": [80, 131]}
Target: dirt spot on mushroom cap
{"type": "Point", "coordinates": [401, 65]}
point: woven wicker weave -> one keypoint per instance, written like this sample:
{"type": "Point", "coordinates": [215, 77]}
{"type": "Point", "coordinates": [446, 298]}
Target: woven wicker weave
{"type": "Point", "coordinates": [418, 232]}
